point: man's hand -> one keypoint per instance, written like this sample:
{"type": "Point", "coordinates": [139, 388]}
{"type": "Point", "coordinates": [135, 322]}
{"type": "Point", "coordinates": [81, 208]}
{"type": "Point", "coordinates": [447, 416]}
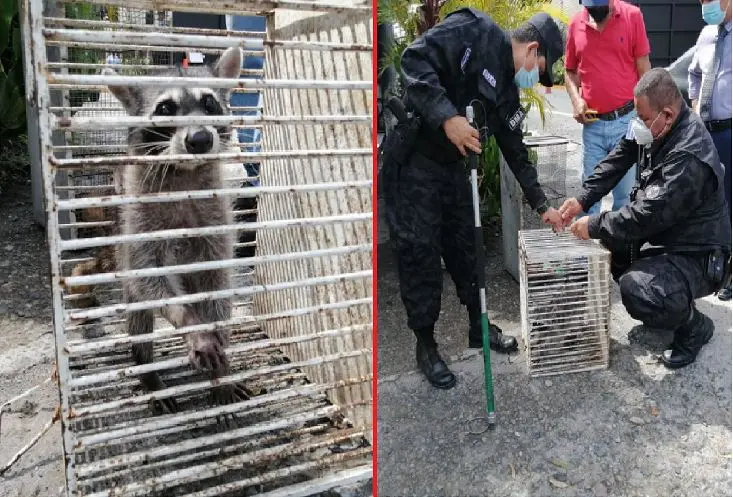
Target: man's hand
{"type": "Point", "coordinates": [580, 228]}
{"type": "Point", "coordinates": [580, 107]}
{"type": "Point", "coordinates": [552, 216]}
{"type": "Point", "coordinates": [462, 134]}
{"type": "Point", "coordinates": [569, 209]}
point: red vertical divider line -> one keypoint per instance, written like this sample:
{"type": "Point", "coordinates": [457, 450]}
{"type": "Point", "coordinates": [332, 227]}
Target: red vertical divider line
{"type": "Point", "coordinates": [375, 232]}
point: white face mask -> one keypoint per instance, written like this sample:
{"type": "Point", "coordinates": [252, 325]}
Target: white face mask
{"type": "Point", "coordinates": [642, 134]}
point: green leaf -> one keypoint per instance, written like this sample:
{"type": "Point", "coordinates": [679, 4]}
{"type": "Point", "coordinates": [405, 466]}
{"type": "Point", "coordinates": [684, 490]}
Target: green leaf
{"type": "Point", "coordinates": [17, 77]}
{"type": "Point", "coordinates": [17, 46]}
{"type": "Point", "coordinates": [8, 8]}
{"type": "Point", "coordinates": [12, 105]}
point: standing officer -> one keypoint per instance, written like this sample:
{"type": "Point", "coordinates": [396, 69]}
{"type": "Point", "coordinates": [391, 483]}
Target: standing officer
{"type": "Point", "coordinates": [466, 59]}
{"type": "Point", "coordinates": [677, 219]}
{"type": "Point", "coordinates": [710, 87]}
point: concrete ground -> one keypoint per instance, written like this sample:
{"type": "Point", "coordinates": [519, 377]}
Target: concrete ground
{"type": "Point", "coordinates": [633, 430]}
{"type": "Point", "coordinates": [26, 351]}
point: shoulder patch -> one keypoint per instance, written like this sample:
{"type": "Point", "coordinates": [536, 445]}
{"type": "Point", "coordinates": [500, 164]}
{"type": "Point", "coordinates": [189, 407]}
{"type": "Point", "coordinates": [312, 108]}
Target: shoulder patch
{"type": "Point", "coordinates": [464, 60]}
{"type": "Point", "coordinates": [516, 119]}
{"type": "Point", "coordinates": [652, 191]}
{"type": "Point", "coordinates": [489, 78]}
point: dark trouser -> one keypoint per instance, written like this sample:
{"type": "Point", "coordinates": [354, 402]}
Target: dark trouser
{"type": "Point", "coordinates": [660, 290]}
{"type": "Point", "coordinates": [722, 140]}
{"type": "Point", "coordinates": [429, 211]}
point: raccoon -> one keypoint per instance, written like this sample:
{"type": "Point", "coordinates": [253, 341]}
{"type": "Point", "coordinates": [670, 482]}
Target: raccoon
{"type": "Point", "coordinates": [205, 350]}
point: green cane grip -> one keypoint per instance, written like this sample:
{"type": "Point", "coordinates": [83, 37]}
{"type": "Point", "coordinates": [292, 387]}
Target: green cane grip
{"type": "Point", "coordinates": [488, 380]}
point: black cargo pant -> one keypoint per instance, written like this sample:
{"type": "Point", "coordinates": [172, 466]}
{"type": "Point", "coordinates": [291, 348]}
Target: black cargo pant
{"type": "Point", "coordinates": [660, 290]}
{"type": "Point", "coordinates": [429, 211]}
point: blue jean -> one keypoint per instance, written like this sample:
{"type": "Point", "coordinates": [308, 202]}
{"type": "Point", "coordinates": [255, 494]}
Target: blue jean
{"type": "Point", "coordinates": [599, 139]}
{"type": "Point", "coordinates": [722, 140]}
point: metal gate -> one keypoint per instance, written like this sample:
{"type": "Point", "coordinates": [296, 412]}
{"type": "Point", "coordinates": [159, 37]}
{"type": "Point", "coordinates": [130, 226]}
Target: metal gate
{"type": "Point", "coordinates": [301, 304]}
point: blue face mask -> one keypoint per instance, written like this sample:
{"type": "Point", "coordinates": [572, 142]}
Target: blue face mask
{"type": "Point", "coordinates": [712, 13]}
{"type": "Point", "coordinates": [527, 79]}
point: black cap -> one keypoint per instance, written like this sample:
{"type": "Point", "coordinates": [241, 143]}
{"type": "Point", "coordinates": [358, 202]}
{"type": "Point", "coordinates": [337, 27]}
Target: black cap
{"type": "Point", "coordinates": [551, 43]}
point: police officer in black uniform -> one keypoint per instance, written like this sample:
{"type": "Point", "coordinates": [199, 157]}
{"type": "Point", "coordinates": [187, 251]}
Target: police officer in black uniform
{"type": "Point", "coordinates": [676, 225]}
{"type": "Point", "coordinates": [464, 60]}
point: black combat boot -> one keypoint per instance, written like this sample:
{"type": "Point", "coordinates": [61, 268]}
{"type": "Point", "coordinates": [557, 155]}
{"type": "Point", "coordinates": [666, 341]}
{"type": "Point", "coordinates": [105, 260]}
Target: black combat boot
{"type": "Point", "coordinates": [430, 362]}
{"type": "Point", "coordinates": [688, 340]}
{"type": "Point", "coordinates": [724, 294]}
{"type": "Point", "coordinates": [497, 341]}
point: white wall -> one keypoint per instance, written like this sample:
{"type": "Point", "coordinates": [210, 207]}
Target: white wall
{"type": "Point", "coordinates": [569, 7]}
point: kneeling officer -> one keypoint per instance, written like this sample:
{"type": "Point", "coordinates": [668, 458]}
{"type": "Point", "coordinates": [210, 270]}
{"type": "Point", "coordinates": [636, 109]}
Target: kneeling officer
{"type": "Point", "coordinates": [464, 60]}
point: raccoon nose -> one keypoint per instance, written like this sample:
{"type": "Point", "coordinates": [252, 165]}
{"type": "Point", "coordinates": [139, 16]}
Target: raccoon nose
{"type": "Point", "coordinates": [199, 142]}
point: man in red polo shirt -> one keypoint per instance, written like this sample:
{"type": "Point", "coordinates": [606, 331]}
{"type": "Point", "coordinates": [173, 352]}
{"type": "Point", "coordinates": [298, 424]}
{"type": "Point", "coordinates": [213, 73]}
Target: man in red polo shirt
{"type": "Point", "coordinates": [607, 51]}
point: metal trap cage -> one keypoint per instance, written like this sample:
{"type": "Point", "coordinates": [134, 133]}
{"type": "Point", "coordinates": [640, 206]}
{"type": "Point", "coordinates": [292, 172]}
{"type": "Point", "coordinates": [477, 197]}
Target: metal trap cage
{"type": "Point", "coordinates": [550, 156]}
{"type": "Point", "coordinates": [301, 303]}
{"type": "Point", "coordinates": [565, 297]}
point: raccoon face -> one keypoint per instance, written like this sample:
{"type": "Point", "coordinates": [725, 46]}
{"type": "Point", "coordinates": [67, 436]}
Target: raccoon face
{"type": "Point", "coordinates": [162, 102]}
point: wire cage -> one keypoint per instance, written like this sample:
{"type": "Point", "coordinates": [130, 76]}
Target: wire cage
{"type": "Point", "coordinates": [299, 350]}
{"type": "Point", "coordinates": [565, 297]}
{"type": "Point", "coordinates": [550, 156]}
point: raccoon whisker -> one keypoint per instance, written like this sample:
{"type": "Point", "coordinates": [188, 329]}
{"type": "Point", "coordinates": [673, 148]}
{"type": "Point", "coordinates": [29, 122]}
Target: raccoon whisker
{"type": "Point", "coordinates": [152, 167]}
{"type": "Point", "coordinates": [152, 144]}
{"type": "Point", "coordinates": [149, 149]}
{"type": "Point", "coordinates": [152, 131]}
{"type": "Point", "coordinates": [148, 170]}
{"type": "Point", "coordinates": [162, 177]}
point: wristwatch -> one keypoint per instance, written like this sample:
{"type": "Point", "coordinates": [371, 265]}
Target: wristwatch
{"type": "Point", "coordinates": [542, 208]}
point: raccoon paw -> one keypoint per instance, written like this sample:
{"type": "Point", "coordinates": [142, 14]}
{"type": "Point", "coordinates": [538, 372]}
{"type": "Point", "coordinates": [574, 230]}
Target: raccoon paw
{"type": "Point", "coordinates": [164, 406]}
{"type": "Point", "coordinates": [230, 394]}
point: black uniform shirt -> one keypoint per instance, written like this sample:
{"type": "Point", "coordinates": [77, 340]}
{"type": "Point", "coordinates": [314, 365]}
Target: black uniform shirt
{"type": "Point", "coordinates": [467, 57]}
{"type": "Point", "coordinates": [680, 205]}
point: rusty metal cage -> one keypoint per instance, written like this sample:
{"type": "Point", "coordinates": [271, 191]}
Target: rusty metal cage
{"type": "Point", "coordinates": [565, 297]}
{"type": "Point", "coordinates": [301, 321]}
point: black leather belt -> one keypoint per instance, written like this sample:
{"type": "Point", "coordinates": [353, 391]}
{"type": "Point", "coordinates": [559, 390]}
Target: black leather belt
{"type": "Point", "coordinates": [720, 125]}
{"type": "Point", "coordinates": [615, 114]}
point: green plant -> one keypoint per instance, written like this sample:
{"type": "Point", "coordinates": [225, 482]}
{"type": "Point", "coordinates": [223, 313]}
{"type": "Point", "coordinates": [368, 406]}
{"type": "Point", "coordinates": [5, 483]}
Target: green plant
{"type": "Point", "coordinates": [558, 72]}
{"type": "Point", "coordinates": [12, 84]}
{"type": "Point", "coordinates": [490, 179]}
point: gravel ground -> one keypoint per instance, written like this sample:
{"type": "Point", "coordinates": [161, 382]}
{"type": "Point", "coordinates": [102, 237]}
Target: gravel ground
{"type": "Point", "coordinates": [633, 430]}
{"type": "Point", "coordinates": [26, 350]}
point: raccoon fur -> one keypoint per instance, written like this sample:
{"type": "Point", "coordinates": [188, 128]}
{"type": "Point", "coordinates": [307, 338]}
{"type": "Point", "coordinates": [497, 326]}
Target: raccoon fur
{"type": "Point", "coordinates": [205, 350]}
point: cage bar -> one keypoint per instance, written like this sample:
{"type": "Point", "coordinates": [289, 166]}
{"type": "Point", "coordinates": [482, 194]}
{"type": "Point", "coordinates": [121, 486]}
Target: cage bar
{"type": "Point", "coordinates": [565, 300]}
{"type": "Point", "coordinates": [121, 122]}
{"type": "Point", "coordinates": [202, 158]}
{"type": "Point", "coordinates": [190, 41]}
{"type": "Point", "coordinates": [243, 7]}
{"type": "Point", "coordinates": [244, 324]}
{"type": "Point", "coordinates": [188, 82]}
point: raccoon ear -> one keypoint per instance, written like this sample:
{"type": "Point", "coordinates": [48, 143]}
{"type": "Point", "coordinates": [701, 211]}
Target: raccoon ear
{"type": "Point", "coordinates": [229, 64]}
{"type": "Point", "coordinates": [128, 96]}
